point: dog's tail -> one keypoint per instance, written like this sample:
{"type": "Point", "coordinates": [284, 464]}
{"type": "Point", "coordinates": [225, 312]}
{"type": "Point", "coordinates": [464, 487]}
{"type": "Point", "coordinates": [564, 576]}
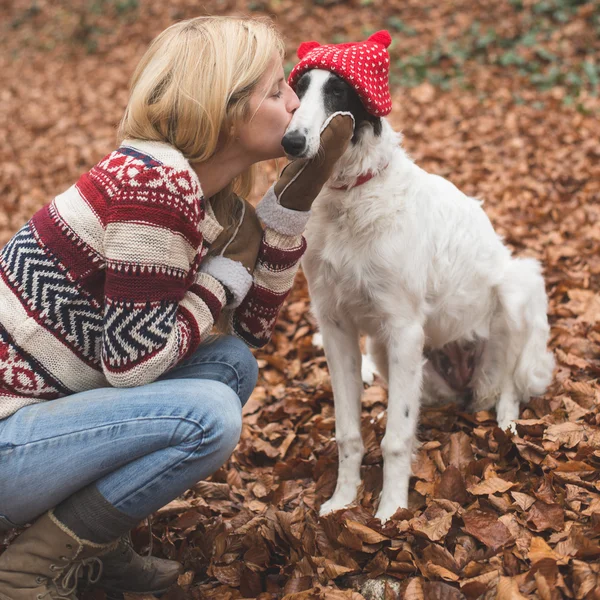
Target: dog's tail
{"type": "Point", "coordinates": [523, 297]}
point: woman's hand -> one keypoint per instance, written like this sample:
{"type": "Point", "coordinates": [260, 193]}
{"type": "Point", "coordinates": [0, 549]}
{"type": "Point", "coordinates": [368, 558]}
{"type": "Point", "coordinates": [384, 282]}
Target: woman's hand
{"type": "Point", "coordinates": [233, 254]}
{"type": "Point", "coordinates": [242, 231]}
{"type": "Point", "coordinates": [302, 180]}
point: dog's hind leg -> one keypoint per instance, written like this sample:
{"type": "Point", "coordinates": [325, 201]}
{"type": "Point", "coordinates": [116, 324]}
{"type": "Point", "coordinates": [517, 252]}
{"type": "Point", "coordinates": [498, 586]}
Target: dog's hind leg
{"type": "Point", "coordinates": [342, 350]}
{"type": "Point", "coordinates": [405, 352]}
{"type": "Point", "coordinates": [526, 365]}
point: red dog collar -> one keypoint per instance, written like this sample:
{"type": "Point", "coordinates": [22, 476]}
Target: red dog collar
{"type": "Point", "coordinates": [361, 179]}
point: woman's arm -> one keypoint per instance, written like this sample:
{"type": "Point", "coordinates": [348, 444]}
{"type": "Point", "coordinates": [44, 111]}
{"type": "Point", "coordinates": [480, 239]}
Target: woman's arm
{"type": "Point", "coordinates": [158, 305]}
{"type": "Point", "coordinates": [279, 255]}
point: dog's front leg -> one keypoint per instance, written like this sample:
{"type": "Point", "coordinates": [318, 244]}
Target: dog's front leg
{"type": "Point", "coordinates": [507, 406]}
{"type": "Point", "coordinates": [342, 350]}
{"type": "Point", "coordinates": [405, 351]}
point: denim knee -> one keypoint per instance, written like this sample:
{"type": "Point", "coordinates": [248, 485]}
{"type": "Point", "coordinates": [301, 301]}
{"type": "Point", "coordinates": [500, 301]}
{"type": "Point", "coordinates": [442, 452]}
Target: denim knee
{"type": "Point", "coordinates": [213, 428]}
{"type": "Point", "coordinates": [226, 359]}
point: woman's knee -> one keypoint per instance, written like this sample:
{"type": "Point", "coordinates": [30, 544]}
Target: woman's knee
{"type": "Point", "coordinates": [211, 423]}
{"type": "Point", "coordinates": [226, 359]}
{"type": "Point", "coordinates": [229, 360]}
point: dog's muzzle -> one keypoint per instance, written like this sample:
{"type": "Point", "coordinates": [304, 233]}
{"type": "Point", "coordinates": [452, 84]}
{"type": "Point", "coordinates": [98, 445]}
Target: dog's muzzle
{"type": "Point", "coordinates": [294, 143]}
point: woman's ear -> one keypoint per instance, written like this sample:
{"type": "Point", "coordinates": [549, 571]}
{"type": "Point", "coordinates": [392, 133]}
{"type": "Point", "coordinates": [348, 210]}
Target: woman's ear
{"type": "Point", "coordinates": [226, 137]}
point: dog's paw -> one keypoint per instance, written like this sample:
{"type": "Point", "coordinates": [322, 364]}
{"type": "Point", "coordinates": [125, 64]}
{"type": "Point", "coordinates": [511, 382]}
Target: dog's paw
{"type": "Point", "coordinates": [389, 505]}
{"type": "Point", "coordinates": [368, 369]}
{"type": "Point", "coordinates": [385, 513]}
{"type": "Point", "coordinates": [332, 505]}
{"type": "Point", "coordinates": [509, 424]}
{"type": "Point", "coordinates": [506, 414]}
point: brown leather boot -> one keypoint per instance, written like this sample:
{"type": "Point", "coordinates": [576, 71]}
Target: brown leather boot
{"type": "Point", "coordinates": [125, 571]}
{"type": "Point", "coordinates": [46, 561]}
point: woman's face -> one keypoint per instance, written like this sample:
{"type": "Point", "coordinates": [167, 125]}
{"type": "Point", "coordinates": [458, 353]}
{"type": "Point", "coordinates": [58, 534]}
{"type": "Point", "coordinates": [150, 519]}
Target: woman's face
{"type": "Point", "coordinates": [272, 105]}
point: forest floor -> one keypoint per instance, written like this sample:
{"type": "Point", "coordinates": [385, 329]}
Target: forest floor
{"type": "Point", "coordinates": [502, 99]}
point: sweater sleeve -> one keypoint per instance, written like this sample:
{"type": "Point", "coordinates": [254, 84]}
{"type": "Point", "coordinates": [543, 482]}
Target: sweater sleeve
{"type": "Point", "coordinates": [278, 260]}
{"type": "Point", "coordinates": [158, 305]}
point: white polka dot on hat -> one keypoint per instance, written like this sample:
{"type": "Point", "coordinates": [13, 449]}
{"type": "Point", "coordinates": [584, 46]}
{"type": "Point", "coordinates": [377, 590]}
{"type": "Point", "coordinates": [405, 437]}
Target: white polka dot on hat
{"type": "Point", "coordinates": [364, 65]}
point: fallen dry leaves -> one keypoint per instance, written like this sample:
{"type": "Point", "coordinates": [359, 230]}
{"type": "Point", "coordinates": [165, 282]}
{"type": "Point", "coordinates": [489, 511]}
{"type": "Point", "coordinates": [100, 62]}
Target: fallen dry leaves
{"type": "Point", "coordinates": [490, 515]}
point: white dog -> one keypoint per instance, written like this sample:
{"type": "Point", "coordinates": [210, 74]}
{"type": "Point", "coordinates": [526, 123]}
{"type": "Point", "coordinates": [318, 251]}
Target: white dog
{"type": "Point", "coordinates": [408, 259]}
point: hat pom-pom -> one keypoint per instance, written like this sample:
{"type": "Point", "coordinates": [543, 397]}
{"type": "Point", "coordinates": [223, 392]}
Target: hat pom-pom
{"type": "Point", "coordinates": [306, 47]}
{"type": "Point", "coordinates": [381, 37]}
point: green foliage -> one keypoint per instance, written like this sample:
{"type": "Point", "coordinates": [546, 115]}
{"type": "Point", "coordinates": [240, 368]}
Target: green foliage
{"type": "Point", "coordinates": [446, 62]}
{"type": "Point", "coordinates": [27, 14]}
{"type": "Point", "coordinates": [396, 24]}
{"type": "Point", "coordinates": [80, 24]}
{"type": "Point", "coordinates": [558, 10]}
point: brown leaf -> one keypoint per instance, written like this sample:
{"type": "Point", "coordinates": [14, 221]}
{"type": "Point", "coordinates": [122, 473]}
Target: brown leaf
{"type": "Point", "coordinates": [566, 434]}
{"type": "Point", "coordinates": [459, 450]}
{"type": "Point", "coordinates": [366, 534]}
{"type": "Point", "coordinates": [586, 578]}
{"type": "Point", "coordinates": [474, 587]}
{"type": "Point", "coordinates": [585, 304]}
{"type": "Point", "coordinates": [297, 584]}
{"type": "Point", "coordinates": [434, 523]}
{"type": "Point", "coordinates": [492, 485]}
{"type": "Point", "coordinates": [546, 516]}
{"type": "Point", "coordinates": [414, 590]}
{"type": "Point", "coordinates": [451, 486]}
{"type": "Point", "coordinates": [523, 500]}
{"type": "Point", "coordinates": [539, 550]}
{"type": "Point", "coordinates": [227, 574]}
{"type": "Point", "coordinates": [374, 395]}
{"type": "Point", "coordinates": [441, 591]}
{"type": "Point", "coordinates": [434, 570]}
{"type": "Point", "coordinates": [508, 589]}
{"type": "Point", "coordinates": [332, 570]}
{"type": "Point", "coordinates": [486, 528]}
{"type": "Point", "coordinates": [434, 553]}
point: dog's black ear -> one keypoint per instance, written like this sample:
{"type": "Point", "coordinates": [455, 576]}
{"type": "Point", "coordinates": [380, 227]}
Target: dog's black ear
{"type": "Point", "coordinates": [377, 126]}
{"type": "Point", "coordinates": [340, 95]}
{"type": "Point", "coordinates": [368, 121]}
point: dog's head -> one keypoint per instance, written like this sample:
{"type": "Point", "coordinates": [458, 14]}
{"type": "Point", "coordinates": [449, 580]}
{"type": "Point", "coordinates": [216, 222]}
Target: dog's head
{"type": "Point", "coordinates": [322, 93]}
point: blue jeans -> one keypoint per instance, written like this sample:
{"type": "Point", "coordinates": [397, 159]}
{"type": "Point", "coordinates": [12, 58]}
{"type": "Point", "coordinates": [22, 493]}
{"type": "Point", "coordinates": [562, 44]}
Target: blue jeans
{"type": "Point", "coordinates": [143, 446]}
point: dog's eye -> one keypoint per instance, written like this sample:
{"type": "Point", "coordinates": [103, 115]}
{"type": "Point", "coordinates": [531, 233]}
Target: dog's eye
{"type": "Point", "coordinates": [301, 86]}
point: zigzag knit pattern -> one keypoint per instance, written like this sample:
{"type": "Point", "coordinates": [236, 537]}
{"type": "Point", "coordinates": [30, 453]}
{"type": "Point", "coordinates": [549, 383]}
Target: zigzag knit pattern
{"type": "Point", "coordinates": [103, 285]}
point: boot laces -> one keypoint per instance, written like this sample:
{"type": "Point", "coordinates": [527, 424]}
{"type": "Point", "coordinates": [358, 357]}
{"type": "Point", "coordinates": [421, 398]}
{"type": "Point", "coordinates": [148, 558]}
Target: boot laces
{"type": "Point", "coordinates": [70, 574]}
{"type": "Point", "coordinates": [91, 566]}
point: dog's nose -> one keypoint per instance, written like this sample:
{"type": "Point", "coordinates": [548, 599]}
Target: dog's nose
{"type": "Point", "coordinates": [293, 143]}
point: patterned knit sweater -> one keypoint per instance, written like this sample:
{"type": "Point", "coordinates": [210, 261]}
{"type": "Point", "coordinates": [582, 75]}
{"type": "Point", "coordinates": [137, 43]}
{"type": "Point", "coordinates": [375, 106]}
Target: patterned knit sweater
{"type": "Point", "coordinates": [104, 286]}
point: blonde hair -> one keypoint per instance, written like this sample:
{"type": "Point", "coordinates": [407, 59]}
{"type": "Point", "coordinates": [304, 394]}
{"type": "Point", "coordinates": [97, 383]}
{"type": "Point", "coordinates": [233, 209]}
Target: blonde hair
{"type": "Point", "coordinates": [193, 85]}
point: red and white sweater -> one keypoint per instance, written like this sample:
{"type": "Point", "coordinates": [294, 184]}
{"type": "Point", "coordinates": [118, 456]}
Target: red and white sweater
{"type": "Point", "coordinates": [104, 286]}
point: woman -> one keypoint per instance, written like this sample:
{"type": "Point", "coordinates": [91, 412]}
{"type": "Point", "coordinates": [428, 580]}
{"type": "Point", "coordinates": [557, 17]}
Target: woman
{"type": "Point", "coordinates": [112, 401]}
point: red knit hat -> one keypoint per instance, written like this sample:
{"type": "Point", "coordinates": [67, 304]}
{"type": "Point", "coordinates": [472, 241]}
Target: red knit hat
{"type": "Point", "coordinates": [364, 65]}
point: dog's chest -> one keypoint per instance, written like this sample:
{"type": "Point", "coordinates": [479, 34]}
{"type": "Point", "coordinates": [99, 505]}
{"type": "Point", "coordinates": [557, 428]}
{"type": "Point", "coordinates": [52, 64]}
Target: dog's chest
{"type": "Point", "coordinates": [349, 272]}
